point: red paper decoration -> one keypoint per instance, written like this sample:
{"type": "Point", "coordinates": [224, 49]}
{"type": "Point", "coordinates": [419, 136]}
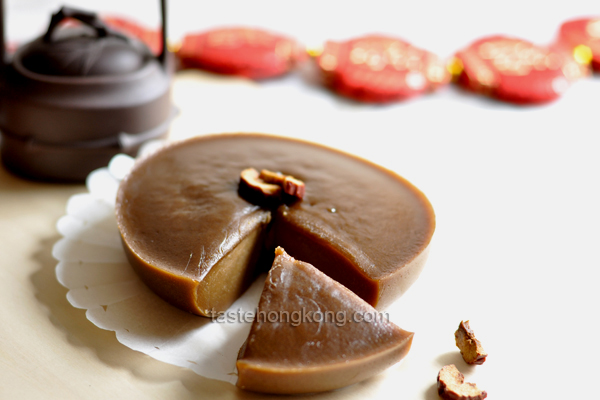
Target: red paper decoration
{"type": "Point", "coordinates": [251, 53]}
{"type": "Point", "coordinates": [583, 37]}
{"type": "Point", "coordinates": [380, 69]}
{"type": "Point", "coordinates": [515, 70]}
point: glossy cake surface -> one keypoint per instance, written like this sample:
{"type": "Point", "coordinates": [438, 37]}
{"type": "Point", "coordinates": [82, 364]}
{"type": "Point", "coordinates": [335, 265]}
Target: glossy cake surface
{"type": "Point", "coordinates": [195, 241]}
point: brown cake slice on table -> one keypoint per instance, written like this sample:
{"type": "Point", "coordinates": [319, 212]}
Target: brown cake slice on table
{"type": "Point", "coordinates": [312, 334]}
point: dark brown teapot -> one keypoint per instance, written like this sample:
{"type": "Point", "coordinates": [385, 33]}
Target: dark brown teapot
{"type": "Point", "coordinates": [73, 98]}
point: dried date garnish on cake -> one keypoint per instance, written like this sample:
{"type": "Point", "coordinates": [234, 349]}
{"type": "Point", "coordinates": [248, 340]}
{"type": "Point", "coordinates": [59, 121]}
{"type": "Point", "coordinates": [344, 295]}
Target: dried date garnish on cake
{"type": "Point", "coordinates": [290, 185]}
{"type": "Point", "coordinates": [452, 386]}
{"type": "Point", "coordinates": [380, 69]}
{"type": "Point", "coordinates": [248, 52]}
{"type": "Point", "coordinates": [582, 36]}
{"type": "Point", "coordinates": [514, 70]}
{"type": "Point", "coordinates": [268, 187]}
{"type": "Point", "coordinates": [470, 348]}
{"type": "Point", "coordinates": [250, 179]}
{"type": "Point", "coordinates": [150, 37]}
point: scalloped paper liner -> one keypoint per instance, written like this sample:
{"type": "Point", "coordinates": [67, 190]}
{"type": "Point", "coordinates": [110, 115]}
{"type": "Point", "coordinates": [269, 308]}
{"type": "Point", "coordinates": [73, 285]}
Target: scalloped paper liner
{"type": "Point", "coordinates": [93, 266]}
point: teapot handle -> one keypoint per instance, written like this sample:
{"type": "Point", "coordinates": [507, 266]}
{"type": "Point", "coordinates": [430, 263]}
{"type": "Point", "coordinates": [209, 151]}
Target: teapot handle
{"type": "Point", "coordinates": [3, 60]}
{"type": "Point", "coordinates": [91, 19]}
{"type": "Point", "coordinates": [162, 57]}
{"type": "Point", "coordinates": [88, 18]}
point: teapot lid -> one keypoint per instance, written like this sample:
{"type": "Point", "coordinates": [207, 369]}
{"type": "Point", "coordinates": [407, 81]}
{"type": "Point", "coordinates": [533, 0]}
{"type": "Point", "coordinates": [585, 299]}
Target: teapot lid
{"type": "Point", "coordinates": [89, 50]}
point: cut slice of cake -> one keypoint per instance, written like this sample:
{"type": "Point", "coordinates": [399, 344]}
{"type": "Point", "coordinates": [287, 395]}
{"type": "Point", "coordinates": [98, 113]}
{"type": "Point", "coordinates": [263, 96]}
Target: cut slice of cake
{"type": "Point", "coordinates": [312, 334]}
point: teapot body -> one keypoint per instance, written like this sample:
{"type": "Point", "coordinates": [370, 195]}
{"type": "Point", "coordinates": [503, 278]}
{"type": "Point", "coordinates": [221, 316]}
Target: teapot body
{"type": "Point", "coordinates": [61, 123]}
{"type": "Point", "coordinates": [64, 109]}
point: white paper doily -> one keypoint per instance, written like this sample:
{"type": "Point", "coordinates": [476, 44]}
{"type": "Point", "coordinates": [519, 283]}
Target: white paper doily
{"type": "Point", "coordinates": [93, 266]}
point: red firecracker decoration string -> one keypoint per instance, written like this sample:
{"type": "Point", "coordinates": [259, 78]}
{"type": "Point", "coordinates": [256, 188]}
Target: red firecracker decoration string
{"type": "Point", "coordinates": [382, 69]}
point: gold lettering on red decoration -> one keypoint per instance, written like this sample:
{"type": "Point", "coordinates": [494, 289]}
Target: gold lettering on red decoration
{"type": "Point", "coordinates": [515, 57]}
{"type": "Point", "coordinates": [478, 71]}
{"type": "Point", "coordinates": [593, 28]}
{"type": "Point", "coordinates": [238, 37]}
{"type": "Point", "coordinates": [379, 54]}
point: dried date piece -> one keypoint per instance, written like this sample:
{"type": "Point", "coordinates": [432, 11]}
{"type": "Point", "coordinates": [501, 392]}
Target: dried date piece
{"type": "Point", "coordinates": [291, 186]}
{"type": "Point", "coordinates": [266, 187]}
{"type": "Point", "coordinates": [272, 177]}
{"type": "Point", "coordinates": [451, 385]}
{"type": "Point", "coordinates": [470, 348]}
{"type": "Point", "coordinates": [251, 179]}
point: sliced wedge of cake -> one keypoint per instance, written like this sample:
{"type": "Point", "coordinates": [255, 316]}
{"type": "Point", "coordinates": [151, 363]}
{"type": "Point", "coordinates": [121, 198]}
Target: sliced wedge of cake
{"type": "Point", "coordinates": [312, 334]}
